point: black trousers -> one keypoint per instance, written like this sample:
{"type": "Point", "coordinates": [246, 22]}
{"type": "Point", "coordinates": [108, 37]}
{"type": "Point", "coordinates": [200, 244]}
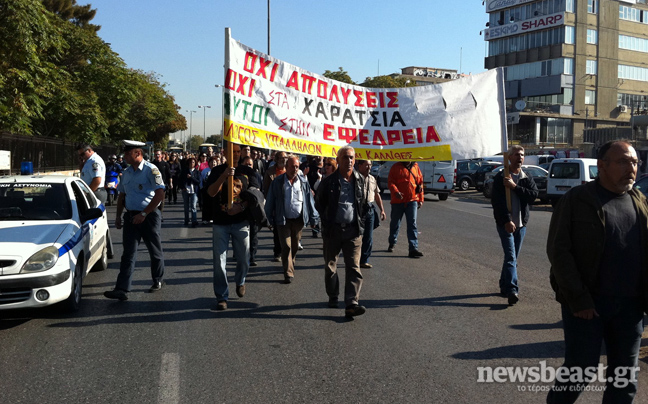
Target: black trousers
{"type": "Point", "coordinates": [254, 240]}
{"type": "Point", "coordinates": [149, 231]}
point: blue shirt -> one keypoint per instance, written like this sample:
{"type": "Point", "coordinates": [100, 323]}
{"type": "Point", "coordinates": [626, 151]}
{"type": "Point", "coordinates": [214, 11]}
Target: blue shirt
{"type": "Point", "coordinates": [94, 167]}
{"type": "Point", "coordinates": [139, 184]}
{"type": "Point", "coordinates": [204, 174]}
{"type": "Point", "coordinates": [294, 198]}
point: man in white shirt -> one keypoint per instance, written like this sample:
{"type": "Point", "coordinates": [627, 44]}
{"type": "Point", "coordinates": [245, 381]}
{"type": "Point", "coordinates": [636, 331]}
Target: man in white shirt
{"type": "Point", "coordinates": [289, 206]}
{"type": "Point", "coordinates": [93, 171]}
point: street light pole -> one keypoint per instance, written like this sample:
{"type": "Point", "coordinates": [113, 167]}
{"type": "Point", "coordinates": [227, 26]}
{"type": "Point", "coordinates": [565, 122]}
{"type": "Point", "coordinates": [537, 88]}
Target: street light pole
{"type": "Point", "coordinates": [190, 124]}
{"type": "Point", "coordinates": [204, 107]}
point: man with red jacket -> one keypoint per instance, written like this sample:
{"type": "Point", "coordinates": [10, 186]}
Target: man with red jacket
{"type": "Point", "coordinates": [406, 186]}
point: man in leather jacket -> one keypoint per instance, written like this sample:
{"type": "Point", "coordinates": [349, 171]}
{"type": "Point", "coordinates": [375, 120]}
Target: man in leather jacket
{"type": "Point", "coordinates": [341, 203]}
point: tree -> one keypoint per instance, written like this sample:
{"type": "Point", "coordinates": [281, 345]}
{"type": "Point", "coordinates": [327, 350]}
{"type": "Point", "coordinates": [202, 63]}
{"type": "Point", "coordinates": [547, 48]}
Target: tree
{"type": "Point", "coordinates": [340, 75]}
{"type": "Point", "coordinates": [387, 82]}
{"type": "Point", "coordinates": [214, 139]}
{"type": "Point", "coordinates": [68, 10]}
{"type": "Point", "coordinates": [154, 110]}
{"type": "Point", "coordinates": [194, 142]}
{"type": "Point", "coordinates": [30, 47]}
{"type": "Point", "coordinates": [59, 79]}
{"type": "Point", "coordinates": [97, 94]}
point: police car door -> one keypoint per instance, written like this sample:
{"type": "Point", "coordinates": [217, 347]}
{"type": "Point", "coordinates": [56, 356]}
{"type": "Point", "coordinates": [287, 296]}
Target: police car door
{"type": "Point", "coordinates": [91, 237]}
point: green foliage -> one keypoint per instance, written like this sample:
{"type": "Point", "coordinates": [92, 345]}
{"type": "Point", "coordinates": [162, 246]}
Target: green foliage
{"type": "Point", "coordinates": [387, 82]}
{"type": "Point", "coordinates": [194, 142]}
{"type": "Point", "coordinates": [68, 10]}
{"type": "Point", "coordinates": [30, 47]}
{"type": "Point", "coordinates": [214, 139]}
{"type": "Point", "coordinates": [58, 78]}
{"type": "Point", "coordinates": [340, 75]}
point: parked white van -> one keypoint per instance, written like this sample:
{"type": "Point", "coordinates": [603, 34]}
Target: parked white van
{"type": "Point", "coordinates": [438, 177]}
{"type": "Point", "coordinates": [537, 159]}
{"type": "Point", "coordinates": [565, 174]}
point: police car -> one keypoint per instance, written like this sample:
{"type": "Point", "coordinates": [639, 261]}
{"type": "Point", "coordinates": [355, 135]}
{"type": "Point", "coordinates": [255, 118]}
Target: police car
{"type": "Point", "coordinates": [53, 231]}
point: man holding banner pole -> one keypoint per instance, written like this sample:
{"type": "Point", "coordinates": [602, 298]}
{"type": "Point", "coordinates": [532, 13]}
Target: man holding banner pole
{"type": "Point", "coordinates": [225, 184]}
{"type": "Point", "coordinates": [511, 222]}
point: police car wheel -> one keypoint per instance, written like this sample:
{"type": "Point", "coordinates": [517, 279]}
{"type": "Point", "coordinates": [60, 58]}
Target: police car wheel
{"type": "Point", "coordinates": [73, 302]}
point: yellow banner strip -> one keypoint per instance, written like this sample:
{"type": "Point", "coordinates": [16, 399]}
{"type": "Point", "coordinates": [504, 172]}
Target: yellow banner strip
{"type": "Point", "coordinates": [254, 137]}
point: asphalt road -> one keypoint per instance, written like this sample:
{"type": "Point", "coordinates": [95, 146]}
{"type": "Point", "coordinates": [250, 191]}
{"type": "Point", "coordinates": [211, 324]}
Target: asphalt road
{"type": "Point", "coordinates": [430, 324]}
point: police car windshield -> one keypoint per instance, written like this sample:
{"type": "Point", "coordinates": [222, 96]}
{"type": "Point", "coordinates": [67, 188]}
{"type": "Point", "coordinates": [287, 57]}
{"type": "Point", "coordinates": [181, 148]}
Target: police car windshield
{"type": "Point", "coordinates": [31, 201]}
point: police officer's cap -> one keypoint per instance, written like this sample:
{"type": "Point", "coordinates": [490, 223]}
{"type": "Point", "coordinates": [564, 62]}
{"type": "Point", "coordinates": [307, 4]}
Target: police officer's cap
{"type": "Point", "coordinates": [132, 144]}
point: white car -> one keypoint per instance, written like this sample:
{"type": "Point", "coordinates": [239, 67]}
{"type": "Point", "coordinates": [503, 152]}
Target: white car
{"type": "Point", "coordinates": [52, 232]}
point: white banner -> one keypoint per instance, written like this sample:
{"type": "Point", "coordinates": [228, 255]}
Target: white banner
{"type": "Point", "coordinates": [273, 104]}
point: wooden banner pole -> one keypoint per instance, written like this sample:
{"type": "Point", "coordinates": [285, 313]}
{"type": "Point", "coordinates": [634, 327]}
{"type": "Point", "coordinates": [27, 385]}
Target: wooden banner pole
{"type": "Point", "coordinates": [507, 174]}
{"type": "Point", "coordinates": [230, 149]}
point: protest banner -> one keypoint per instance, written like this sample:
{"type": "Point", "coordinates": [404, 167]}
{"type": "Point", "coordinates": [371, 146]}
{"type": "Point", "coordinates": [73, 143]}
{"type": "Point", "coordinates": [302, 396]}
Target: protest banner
{"type": "Point", "coordinates": [271, 104]}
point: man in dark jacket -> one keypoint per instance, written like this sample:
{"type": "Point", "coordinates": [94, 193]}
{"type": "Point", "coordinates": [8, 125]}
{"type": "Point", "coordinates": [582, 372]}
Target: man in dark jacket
{"type": "Point", "coordinates": [511, 224]}
{"type": "Point", "coordinates": [341, 203]}
{"type": "Point", "coordinates": [230, 222]}
{"type": "Point", "coordinates": [599, 270]}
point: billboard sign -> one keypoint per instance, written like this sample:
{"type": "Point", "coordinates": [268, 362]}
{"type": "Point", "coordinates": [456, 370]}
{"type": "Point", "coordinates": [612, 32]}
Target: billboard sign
{"type": "Point", "coordinates": [522, 27]}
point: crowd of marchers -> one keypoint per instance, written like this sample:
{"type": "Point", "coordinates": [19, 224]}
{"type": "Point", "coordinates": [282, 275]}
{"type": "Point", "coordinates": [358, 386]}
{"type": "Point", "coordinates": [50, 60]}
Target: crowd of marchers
{"type": "Point", "coordinates": [596, 245]}
{"type": "Point", "coordinates": [336, 198]}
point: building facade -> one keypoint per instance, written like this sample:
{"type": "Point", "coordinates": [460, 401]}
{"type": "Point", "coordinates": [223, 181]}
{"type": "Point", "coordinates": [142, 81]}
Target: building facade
{"type": "Point", "coordinates": [570, 66]}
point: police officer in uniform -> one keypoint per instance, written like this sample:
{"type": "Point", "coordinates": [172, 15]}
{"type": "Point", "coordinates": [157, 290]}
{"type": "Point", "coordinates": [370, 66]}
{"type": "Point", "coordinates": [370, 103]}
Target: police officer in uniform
{"type": "Point", "coordinates": [140, 192]}
{"type": "Point", "coordinates": [93, 171]}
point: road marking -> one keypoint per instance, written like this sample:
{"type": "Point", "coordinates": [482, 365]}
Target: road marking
{"type": "Point", "coordinates": [169, 379]}
{"type": "Point", "coordinates": [184, 232]}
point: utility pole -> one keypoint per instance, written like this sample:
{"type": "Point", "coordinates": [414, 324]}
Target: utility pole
{"type": "Point", "coordinates": [190, 124]}
{"type": "Point", "coordinates": [204, 107]}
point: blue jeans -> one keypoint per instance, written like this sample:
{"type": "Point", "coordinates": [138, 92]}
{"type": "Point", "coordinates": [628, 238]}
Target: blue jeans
{"type": "Point", "coordinates": [240, 233]}
{"type": "Point", "coordinates": [149, 230]}
{"type": "Point", "coordinates": [619, 325]}
{"type": "Point", "coordinates": [189, 206]}
{"type": "Point", "coordinates": [511, 243]}
{"type": "Point", "coordinates": [397, 210]}
{"type": "Point", "coordinates": [367, 236]}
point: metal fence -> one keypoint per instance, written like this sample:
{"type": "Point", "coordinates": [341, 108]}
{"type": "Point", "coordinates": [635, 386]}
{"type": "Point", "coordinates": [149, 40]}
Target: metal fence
{"type": "Point", "coordinates": [46, 154]}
